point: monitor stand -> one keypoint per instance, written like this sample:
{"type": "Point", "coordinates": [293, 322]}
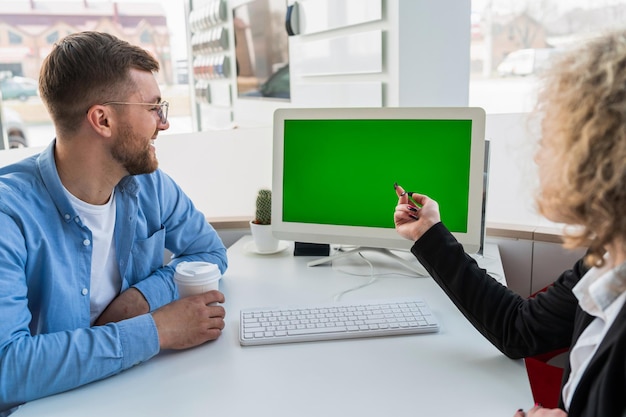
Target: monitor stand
{"type": "Point", "coordinates": [413, 268]}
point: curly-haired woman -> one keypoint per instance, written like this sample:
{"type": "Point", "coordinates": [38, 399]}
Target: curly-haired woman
{"type": "Point", "coordinates": [582, 169]}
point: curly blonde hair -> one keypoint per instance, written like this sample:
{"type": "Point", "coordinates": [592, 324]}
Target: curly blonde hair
{"type": "Point", "coordinates": [583, 106]}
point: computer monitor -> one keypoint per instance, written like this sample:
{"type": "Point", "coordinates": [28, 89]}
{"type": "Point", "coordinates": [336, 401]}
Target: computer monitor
{"type": "Point", "coordinates": [334, 171]}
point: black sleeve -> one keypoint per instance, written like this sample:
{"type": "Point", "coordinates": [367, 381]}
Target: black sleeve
{"type": "Point", "coordinates": [517, 326]}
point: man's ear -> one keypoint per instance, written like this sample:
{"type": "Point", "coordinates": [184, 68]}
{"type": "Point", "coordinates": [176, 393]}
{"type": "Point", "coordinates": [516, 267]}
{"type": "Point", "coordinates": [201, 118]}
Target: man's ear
{"type": "Point", "coordinates": [100, 118]}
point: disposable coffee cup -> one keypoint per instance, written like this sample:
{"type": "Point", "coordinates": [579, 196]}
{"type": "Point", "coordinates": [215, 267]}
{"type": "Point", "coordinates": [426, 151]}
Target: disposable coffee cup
{"type": "Point", "coordinates": [196, 277]}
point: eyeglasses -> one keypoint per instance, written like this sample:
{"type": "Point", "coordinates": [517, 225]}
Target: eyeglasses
{"type": "Point", "coordinates": [160, 108]}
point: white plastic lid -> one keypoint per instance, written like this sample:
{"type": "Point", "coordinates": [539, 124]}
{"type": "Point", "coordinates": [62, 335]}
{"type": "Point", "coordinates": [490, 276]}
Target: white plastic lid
{"type": "Point", "coordinates": [198, 272]}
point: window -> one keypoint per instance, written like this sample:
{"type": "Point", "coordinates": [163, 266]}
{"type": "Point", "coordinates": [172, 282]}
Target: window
{"type": "Point", "coordinates": [156, 25]}
{"type": "Point", "coordinates": [52, 37]}
{"type": "Point", "coordinates": [14, 38]}
{"type": "Point", "coordinates": [262, 49]}
{"type": "Point", "coordinates": [512, 41]}
{"type": "Point", "coordinates": [146, 37]}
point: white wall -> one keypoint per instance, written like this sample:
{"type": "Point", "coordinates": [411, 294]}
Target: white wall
{"type": "Point", "coordinates": [532, 259]}
{"type": "Point", "coordinates": [513, 176]}
{"type": "Point", "coordinates": [220, 170]}
{"type": "Point", "coordinates": [432, 63]}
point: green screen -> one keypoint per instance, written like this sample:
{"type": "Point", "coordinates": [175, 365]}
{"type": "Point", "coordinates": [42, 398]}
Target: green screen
{"type": "Point", "coordinates": [341, 172]}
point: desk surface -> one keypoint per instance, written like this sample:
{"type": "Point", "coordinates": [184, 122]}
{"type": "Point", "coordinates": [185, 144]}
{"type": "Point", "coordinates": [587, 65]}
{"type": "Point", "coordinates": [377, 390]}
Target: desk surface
{"type": "Point", "coordinates": [453, 372]}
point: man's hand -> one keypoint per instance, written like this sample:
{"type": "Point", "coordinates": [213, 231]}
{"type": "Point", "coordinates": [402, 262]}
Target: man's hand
{"type": "Point", "coordinates": [190, 321]}
{"type": "Point", "coordinates": [130, 303]}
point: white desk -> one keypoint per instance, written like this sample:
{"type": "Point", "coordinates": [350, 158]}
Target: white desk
{"type": "Point", "coordinates": [451, 373]}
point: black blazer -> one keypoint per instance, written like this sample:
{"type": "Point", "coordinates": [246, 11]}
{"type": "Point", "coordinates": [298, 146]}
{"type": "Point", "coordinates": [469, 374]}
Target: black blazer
{"type": "Point", "coordinates": [521, 327]}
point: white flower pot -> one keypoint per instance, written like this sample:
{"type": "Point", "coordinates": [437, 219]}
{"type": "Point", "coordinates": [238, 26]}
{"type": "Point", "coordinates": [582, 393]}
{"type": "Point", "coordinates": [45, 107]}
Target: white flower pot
{"type": "Point", "coordinates": [263, 238]}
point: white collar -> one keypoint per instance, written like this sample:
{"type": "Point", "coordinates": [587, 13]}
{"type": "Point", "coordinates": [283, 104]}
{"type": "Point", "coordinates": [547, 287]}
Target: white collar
{"type": "Point", "coordinates": [600, 287]}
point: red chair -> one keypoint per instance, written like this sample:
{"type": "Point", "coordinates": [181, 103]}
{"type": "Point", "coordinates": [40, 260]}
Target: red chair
{"type": "Point", "coordinates": [545, 375]}
{"type": "Point", "coordinates": [545, 378]}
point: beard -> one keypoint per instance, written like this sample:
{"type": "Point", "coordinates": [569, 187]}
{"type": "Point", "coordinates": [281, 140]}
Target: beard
{"type": "Point", "coordinates": [133, 152]}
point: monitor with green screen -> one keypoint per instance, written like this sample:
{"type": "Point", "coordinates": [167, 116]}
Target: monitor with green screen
{"type": "Point", "coordinates": [334, 171]}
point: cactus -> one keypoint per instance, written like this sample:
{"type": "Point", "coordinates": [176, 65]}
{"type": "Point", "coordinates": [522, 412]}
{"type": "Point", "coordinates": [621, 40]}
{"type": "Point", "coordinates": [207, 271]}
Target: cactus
{"type": "Point", "coordinates": [263, 207]}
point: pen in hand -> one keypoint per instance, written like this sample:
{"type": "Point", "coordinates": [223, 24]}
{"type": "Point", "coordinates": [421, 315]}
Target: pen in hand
{"type": "Point", "coordinates": [412, 204]}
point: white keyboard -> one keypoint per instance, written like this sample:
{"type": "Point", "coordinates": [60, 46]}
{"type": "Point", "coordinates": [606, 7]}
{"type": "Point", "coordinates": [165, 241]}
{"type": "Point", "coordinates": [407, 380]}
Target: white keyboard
{"type": "Point", "coordinates": [262, 326]}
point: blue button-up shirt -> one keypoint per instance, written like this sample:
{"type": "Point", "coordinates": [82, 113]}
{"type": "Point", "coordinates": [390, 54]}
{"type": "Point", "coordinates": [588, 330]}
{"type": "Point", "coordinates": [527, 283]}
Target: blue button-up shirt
{"type": "Point", "coordinates": [46, 342]}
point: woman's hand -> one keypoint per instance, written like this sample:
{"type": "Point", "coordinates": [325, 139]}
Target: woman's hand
{"type": "Point", "coordinates": [539, 411]}
{"type": "Point", "coordinates": [414, 216]}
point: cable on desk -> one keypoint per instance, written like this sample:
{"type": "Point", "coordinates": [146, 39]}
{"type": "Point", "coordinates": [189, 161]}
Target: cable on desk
{"type": "Point", "coordinates": [373, 276]}
{"type": "Point", "coordinates": [486, 260]}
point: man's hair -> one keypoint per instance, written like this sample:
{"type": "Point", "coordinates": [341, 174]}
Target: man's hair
{"type": "Point", "coordinates": [583, 105]}
{"type": "Point", "coordinates": [88, 68]}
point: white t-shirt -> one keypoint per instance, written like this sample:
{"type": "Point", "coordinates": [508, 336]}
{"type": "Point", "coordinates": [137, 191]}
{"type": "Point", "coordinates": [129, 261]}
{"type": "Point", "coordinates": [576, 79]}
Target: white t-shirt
{"type": "Point", "coordinates": [106, 281]}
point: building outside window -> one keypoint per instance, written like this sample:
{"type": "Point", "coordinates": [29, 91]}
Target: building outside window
{"type": "Point", "coordinates": [14, 38]}
{"type": "Point", "coordinates": [31, 27]}
{"type": "Point", "coordinates": [512, 41]}
{"type": "Point", "coordinates": [52, 37]}
{"type": "Point", "coordinates": [146, 37]}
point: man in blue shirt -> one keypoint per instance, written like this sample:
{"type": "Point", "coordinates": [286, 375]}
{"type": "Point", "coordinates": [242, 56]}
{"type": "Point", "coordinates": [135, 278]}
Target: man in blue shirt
{"type": "Point", "coordinates": [84, 293]}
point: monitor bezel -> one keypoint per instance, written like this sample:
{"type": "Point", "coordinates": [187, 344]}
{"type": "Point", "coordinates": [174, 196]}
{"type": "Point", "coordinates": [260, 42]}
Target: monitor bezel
{"type": "Point", "coordinates": [374, 236]}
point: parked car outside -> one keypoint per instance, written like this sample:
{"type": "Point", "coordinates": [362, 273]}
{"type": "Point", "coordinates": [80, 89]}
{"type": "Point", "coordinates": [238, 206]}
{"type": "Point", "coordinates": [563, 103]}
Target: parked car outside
{"type": "Point", "coordinates": [525, 61]}
{"type": "Point", "coordinates": [14, 127]}
{"type": "Point", "coordinates": [19, 88]}
{"type": "Point", "coordinates": [276, 86]}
